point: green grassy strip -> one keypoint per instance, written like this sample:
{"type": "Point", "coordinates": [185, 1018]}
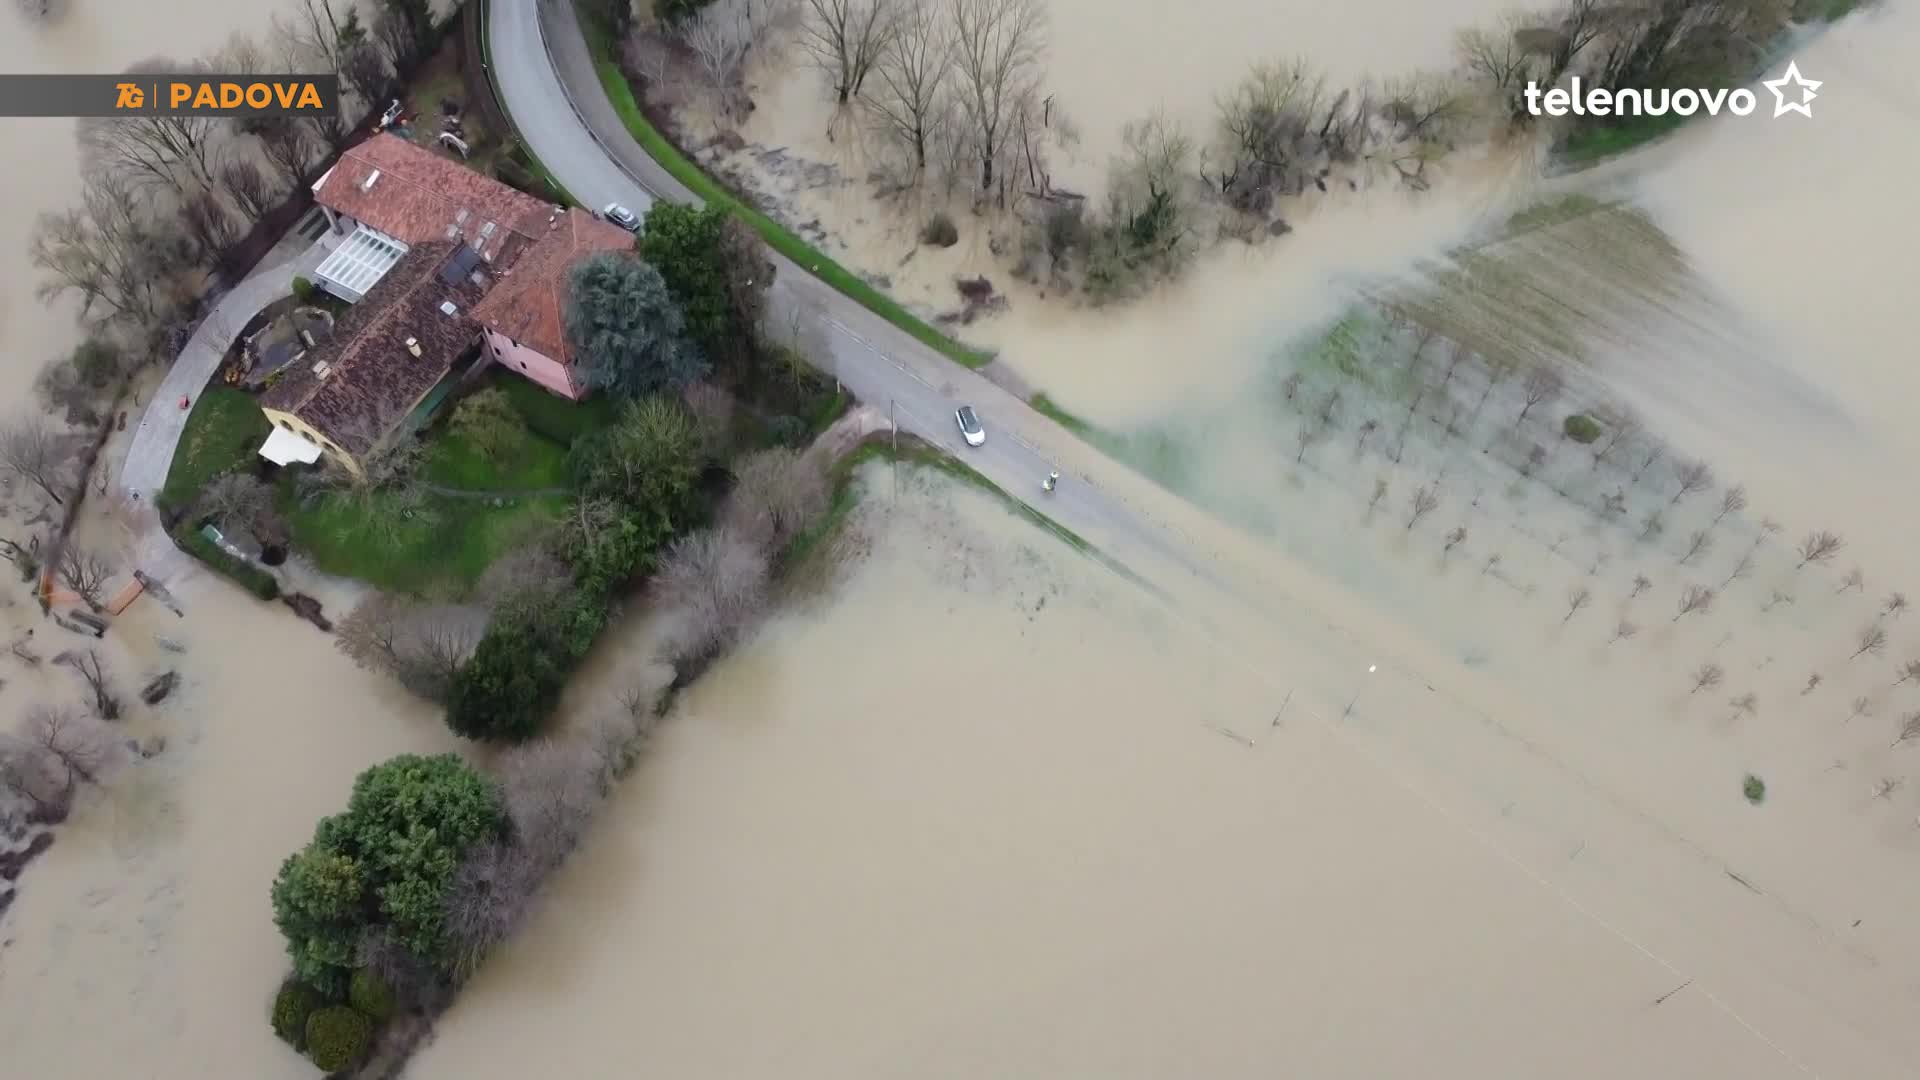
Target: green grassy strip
{"type": "Point", "coordinates": [1593, 144]}
{"type": "Point", "coordinates": [704, 187]}
{"type": "Point", "coordinates": [917, 453]}
{"type": "Point", "coordinates": [248, 576]}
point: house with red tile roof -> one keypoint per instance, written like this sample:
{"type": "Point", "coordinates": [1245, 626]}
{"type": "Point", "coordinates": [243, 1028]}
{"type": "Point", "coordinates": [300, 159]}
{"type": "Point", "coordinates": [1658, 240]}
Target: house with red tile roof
{"type": "Point", "coordinates": [387, 194]}
{"type": "Point", "coordinates": [380, 366]}
{"type": "Point", "coordinates": [523, 315]}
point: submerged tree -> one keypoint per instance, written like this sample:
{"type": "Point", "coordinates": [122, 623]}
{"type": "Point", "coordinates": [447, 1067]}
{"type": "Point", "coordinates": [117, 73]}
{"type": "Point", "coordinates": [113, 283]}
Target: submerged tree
{"type": "Point", "coordinates": [1819, 547]}
{"type": "Point", "coordinates": [1692, 477]}
{"type": "Point", "coordinates": [1541, 385]}
{"type": "Point", "coordinates": [1622, 631]}
{"type": "Point", "coordinates": [847, 39]}
{"type": "Point", "coordinates": [1706, 677]}
{"type": "Point", "coordinates": [1577, 597]}
{"type": "Point", "coordinates": [1422, 502]}
{"type": "Point", "coordinates": [1694, 598]}
{"type": "Point", "coordinates": [1871, 639]}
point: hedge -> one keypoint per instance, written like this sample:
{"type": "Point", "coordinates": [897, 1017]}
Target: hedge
{"type": "Point", "coordinates": [370, 994]}
{"type": "Point", "coordinates": [243, 573]}
{"type": "Point", "coordinates": [292, 1007]}
{"type": "Point", "coordinates": [337, 1037]}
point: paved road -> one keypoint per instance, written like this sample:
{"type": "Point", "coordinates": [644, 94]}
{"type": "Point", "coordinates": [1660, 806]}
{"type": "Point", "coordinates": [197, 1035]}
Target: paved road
{"type": "Point", "coordinates": [549, 87]}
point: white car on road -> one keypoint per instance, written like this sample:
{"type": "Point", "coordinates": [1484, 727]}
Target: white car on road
{"type": "Point", "coordinates": [970, 428]}
{"type": "Point", "coordinates": [621, 216]}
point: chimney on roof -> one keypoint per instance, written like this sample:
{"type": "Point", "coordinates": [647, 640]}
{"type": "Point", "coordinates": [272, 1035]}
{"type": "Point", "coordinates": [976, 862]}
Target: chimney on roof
{"type": "Point", "coordinates": [448, 309]}
{"type": "Point", "coordinates": [367, 184]}
{"type": "Point", "coordinates": [413, 346]}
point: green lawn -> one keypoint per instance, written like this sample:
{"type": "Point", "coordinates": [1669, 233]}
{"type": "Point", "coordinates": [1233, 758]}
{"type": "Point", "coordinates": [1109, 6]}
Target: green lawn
{"type": "Point", "coordinates": [704, 187]}
{"type": "Point", "coordinates": [448, 544]}
{"type": "Point", "coordinates": [551, 415]}
{"type": "Point", "coordinates": [223, 433]}
{"type": "Point", "coordinates": [1156, 454]}
{"type": "Point", "coordinates": [534, 463]}
{"type": "Point", "coordinates": [1592, 144]}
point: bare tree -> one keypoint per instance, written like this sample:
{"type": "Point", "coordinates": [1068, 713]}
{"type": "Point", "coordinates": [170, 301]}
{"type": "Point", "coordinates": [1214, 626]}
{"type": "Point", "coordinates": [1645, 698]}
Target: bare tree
{"type": "Point", "coordinates": [1813, 683]}
{"type": "Point", "coordinates": [1861, 707]}
{"type": "Point", "coordinates": [122, 259]}
{"type": "Point", "coordinates": [1622, 631]}
{"type": "Point", "coordinates": [31, 450]}
{"type": "Point", "coordinates": [1493, 560]}
{"type": "Point", "coordinates": [552, 788]}
{"type": "Point", "coordinates": [46, 11]}
{"type": "Point", "coordinates": [1577, 597]}
{"type": "Point", "coordinates": [718, 36]}
{"type": "Point", "coordinates": [86, 664]}
{"type": "Point", "coordinates": [1622, 428]}
{"type": "Point", "coordinates": [715, 582]}
{"type": "Point", "coordinates": [1886, 787]}
{"type": "Point", "coordinates": [1909, 672]}
{"type": "Point", "coordinates": [912, 77]}
{"type": "Point", "coordinates": [1305, 437]}
{"type": "Point", "coordinates": [1655, 521]}
{"type": "Point", "coordinates": [997, 46]}
{"type": "Point", "coordinates": [1536, 457]}
{"type": "Point", "coordinates": [1775, 601]}
{"type": "Point", "coordinates": [1872, 638]}
{"type": "Point", "coordinates": [85, 572]}
{"type": "Point", "coordinates": [1741, 569]}
{"type": "Point", "coordinates": [424, 646]}
{"type": "Point", "coordinates": [492, 893]}
{"type": "Point", "coordinates": [1732, 501]}
{"type": "Point", "coordinates": [248, 186]}
{"type": "Point", "coordinates": [1819, 547]}
{"type": "Point", "coordinates": [1641, 583]}
{"type": "Point", "coordinates": [1895, 606]}
{"type": "Point", "coordinates": [1700, 544]}
{"type": "Point", "coordinates": [86, 749]}
{"type": "Point", "coordinates": [1909, 729]}
{"type": "Point", "coordinates": [1541, 385]}
{"type": "Point", "coordinates": [1497, 56]}
{"type": "Point", "coordinates": [1454, 539]}
{"type": "Point", "coordinates": [173, 151]}
{"type": "Point", "coordinates": [529, 574]}
{"type": "Point", "coordinates": [1706, 677]}
{"type": "Point", "coordinates": [287, 144]}
{"type": "Point", "coordinates": [34, 775]}
{"type": "Point", "coordinates": [1692, 476]}
{"type": "Point", "coordinates": [1379, 493]}
{"type": "Point", "coordinates": [777, 495]}
{"type": "Point", "coordinates": [847, 38]}
{"type": "Point", "coordinates": [1647, 460]}
{"type": "Point", "coordinates": [1694, 598]}
{"type": "Point", "coordinates": [1748, 703]}
{"type": "Point", "coordinates": [1422, 502]}
{"type": "Point", "coordinates": [1290, 386]}
{"type": "Point", "coordinates": [1367, 428]}
{"type": "Point", "coordinates": [1855, 580]}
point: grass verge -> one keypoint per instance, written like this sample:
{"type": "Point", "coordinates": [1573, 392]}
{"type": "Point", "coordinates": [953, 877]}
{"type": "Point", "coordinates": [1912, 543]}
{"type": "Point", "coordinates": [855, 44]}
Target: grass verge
{"type": "Point", "coordinates": [223, 432]}
{"type": "Point", "coordinates": [620, 93]}
{"type": "Point", "coordinates": [919, 454]}
{"type": "Point", "coordinates": [1590, 145]}
{"type": "Point", "coordinates": [1157, 454]}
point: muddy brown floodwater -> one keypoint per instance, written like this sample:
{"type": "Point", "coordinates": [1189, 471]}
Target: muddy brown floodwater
{"type": "Point", "coordinates": [142, 941]}
{"type": "Point", "coordinates": [980, 808]}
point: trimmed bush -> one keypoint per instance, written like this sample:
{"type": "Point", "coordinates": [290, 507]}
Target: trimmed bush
{"type": "Point", "coordinates": [940, 231]}
{"type": "Point", "coordinates": [337, 1038]}
{"type": "Point", "coordinates": [1755, 789]}
{"type": "Point", "coordinates": [370, 994]}
{"type": "Point", "coordinates": [303, 289]}
{"type": "Point", "coordinates": [787, 431]}
{"type": "Point", "coordinates": [1581, 428]}
{"type": "Point", "coordinates": [295, 1002]}
{"type": "Point", "coordinates": [248, 576]}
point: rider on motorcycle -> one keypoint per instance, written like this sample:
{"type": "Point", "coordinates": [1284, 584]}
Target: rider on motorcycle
{"type": "Point", "coordinates": [1053, 477]}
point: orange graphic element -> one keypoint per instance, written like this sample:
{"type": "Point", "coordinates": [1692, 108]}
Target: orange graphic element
{"type": "Point", "coordinates": [131, 96]}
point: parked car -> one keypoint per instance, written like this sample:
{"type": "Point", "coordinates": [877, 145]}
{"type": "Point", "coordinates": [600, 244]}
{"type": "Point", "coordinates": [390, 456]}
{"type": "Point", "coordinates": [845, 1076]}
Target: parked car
{"type": "Point", "coordinates": [621, 216]}
{"type": "Point", "coordinates": [970, 428]}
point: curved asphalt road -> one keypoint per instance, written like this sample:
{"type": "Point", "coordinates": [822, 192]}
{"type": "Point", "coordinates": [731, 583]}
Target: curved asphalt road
{"type": "Point", "coordinates": [549, 87]}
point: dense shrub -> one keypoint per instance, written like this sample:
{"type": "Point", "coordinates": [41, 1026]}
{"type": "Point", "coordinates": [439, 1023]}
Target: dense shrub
{"type": "Point", "coordinates": [291, 1006]}
{"type": "Point", "coordinates": [513, 681]}
{"type": "Point", "coordinates": [385, 862]}
{"type": "Point", "coordinates": [1581, 428]}
{"type": "Point", "coordinates": [303, 289]}
{"type": "Point", "coordinates": [675, 10]}
{"type": "Point", "coordinates": [716, 270]}
{"type": "Point", "coordinates": [787, 431]}
{"type": "Point", "coordinates": [337, 1037]}
{"type": "Point", "coordinates": [370, 994]}
{"type": "Point", "coordinates": [940, 231]}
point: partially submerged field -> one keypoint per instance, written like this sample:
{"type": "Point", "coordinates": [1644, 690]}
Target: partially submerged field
{"type": "Point", "coordinates": [983, 772]}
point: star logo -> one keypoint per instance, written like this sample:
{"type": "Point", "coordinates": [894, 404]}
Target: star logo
{"type": "Point", "coordinates": [1806, 87]}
